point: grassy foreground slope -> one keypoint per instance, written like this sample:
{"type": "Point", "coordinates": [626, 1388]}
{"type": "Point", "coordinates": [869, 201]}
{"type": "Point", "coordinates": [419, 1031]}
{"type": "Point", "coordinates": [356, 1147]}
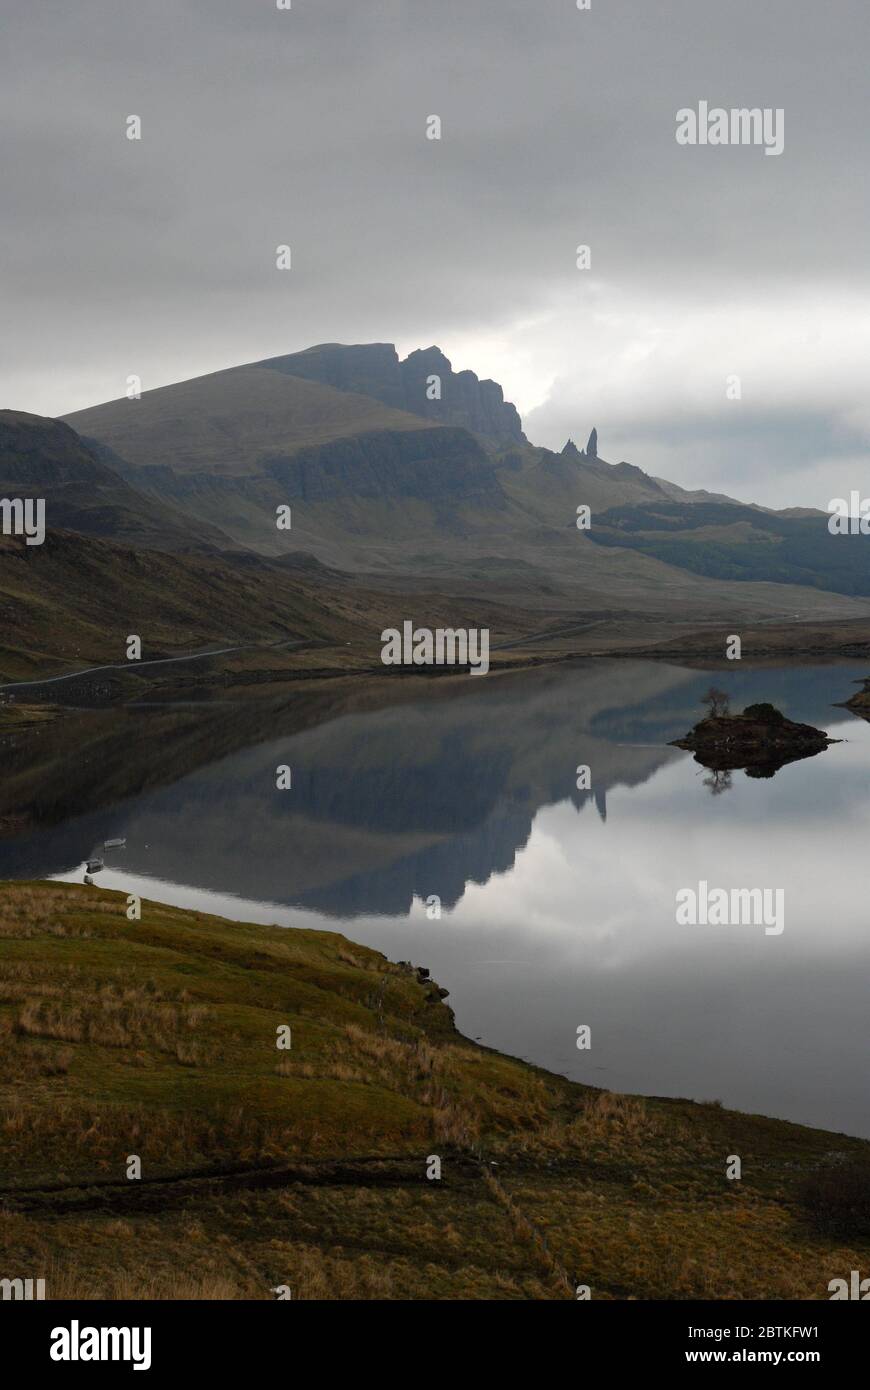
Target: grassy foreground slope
{"type": "Point", "coordinates": [307, 1167]}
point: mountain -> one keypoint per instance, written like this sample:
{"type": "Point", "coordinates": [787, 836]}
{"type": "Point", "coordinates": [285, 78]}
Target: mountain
{"type": "Point", "coordinates": [424, 384]}
{"type": "Point", "coordinates": [229, 448]}
{"type": "Point", "coordinates": [115, 562]}
{"type": "Point", "coordinates": [42, 458]}
{"type": "Point", "coordinates": [227, 422]}
{"type": "Point", "coordinates": [390, 484]}
{"type": "Point", "coordinates": [354, 499]}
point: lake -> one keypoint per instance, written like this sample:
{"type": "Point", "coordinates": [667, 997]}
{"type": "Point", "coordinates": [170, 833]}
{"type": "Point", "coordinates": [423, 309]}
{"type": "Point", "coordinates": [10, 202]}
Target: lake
{"type": "Point", "coordinates": [557, 906]}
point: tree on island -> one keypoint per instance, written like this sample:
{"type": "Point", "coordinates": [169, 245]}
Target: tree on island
{"type": "Point", "coordinates": [764, 714]}
{"type": "Point", "coordinates": [717, 701]}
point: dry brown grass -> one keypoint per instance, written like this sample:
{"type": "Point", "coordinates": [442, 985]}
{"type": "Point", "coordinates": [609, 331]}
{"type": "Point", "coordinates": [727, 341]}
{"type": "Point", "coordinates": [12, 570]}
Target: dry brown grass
{"type": "Point", "coordinates": [47, 912]}
{"type": "Point", "coordinates": [30, 1060]}
{"type": "Point", "coordinates": [527, 1231]}
{"type": "Point", "coordinates": [105, 1134]}
{"type": "Point", "coordinates": [606, 1115]}
{"type": "Point", "coordinates": [104, 1052]}
{"type": "Point", "coordinates": [67, 1281]}
{"type": "Point", "coordinates": [115, 1015]}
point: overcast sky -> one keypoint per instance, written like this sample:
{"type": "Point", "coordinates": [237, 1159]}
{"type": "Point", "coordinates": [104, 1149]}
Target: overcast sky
{"type": "Point", "coordinates": [308, 127]}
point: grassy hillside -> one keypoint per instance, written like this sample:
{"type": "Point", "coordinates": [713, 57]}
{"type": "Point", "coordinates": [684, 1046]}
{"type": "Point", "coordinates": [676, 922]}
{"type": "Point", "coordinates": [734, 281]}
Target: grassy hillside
{"type": "Point", "coordinates": [46, 459]}
{"type": "Point", "coordinates": [71, 602]}
{"type": "Point", "coordinates": [307, 1167]}
{"type": "Point", "coordinates": [743, 543]}
{"type": "Point", "coordinates": [226, 423]}
{"type": "Point", "coordinates": [549, 487]}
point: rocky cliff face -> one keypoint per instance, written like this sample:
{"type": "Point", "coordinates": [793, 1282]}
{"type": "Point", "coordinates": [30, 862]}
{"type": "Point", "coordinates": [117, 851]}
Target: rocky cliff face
{"type": "Point", "coordinates": [374, 369]}
{"type": "Point", "coordinates": [464, 399]}
{"type": "Point", "coordinates": [346, 494]}
{"type": "Point", "coordinates": [422, 464]}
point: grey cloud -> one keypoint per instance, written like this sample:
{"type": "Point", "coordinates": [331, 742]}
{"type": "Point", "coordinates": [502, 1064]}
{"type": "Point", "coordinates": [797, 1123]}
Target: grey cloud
{"type": "Point", "coordinates": [307, 127]}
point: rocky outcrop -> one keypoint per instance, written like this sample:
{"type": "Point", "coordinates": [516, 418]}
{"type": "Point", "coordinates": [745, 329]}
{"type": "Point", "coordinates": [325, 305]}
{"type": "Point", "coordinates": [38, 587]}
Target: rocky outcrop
{"type": "Point", "coordinates": [590, 453]}
{"type": "Point", "coordinates": [465, 400]}
{"type": "Point", "coordinates": [423, 384]}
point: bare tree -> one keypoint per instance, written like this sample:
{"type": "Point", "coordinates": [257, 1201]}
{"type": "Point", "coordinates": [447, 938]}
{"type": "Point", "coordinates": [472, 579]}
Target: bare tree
{"type": "Point", "coordinates": [717, 701]}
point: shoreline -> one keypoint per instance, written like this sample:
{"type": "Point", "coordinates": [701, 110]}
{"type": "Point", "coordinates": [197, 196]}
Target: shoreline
{"type": "Point", "coordinates": [119, 684]}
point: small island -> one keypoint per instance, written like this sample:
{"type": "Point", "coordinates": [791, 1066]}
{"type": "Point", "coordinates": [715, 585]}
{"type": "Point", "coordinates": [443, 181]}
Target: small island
{"type": "Point", "coordinates": [760, 741]}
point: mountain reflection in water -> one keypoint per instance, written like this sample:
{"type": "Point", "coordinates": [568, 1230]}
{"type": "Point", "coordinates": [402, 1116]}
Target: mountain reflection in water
{"type": "Point", "coordinates": [557, 903]}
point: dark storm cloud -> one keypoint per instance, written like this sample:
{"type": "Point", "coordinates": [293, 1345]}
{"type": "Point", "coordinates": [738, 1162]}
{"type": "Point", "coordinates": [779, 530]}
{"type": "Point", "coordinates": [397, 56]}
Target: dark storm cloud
{"type": "Point", "coordinates": [307, 127]}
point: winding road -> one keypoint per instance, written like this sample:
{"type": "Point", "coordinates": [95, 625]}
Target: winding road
{"type": "Point", "coordinates": [156, 661]}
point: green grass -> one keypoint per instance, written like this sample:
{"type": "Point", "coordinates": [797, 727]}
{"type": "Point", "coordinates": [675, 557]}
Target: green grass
{"type": "Point", "coordinates": [307, 1167]}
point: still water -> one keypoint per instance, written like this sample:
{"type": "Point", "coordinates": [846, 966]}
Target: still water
{"type": "Point", "coordinates": [557, 905]}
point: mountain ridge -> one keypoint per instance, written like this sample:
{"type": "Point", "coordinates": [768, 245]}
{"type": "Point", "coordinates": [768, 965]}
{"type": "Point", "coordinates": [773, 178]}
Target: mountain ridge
{"type": "Point", "coordinates": [375, 369]}
{"type": "Point", "coordinates": [399, 495]}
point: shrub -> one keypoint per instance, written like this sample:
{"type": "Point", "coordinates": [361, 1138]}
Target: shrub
{"type": "Point", "coordinates": [764, 714]}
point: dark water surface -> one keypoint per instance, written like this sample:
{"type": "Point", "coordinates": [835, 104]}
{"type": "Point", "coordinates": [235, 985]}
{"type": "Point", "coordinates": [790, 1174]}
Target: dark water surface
{"type": "Point", "coordinates": [558, 906]}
